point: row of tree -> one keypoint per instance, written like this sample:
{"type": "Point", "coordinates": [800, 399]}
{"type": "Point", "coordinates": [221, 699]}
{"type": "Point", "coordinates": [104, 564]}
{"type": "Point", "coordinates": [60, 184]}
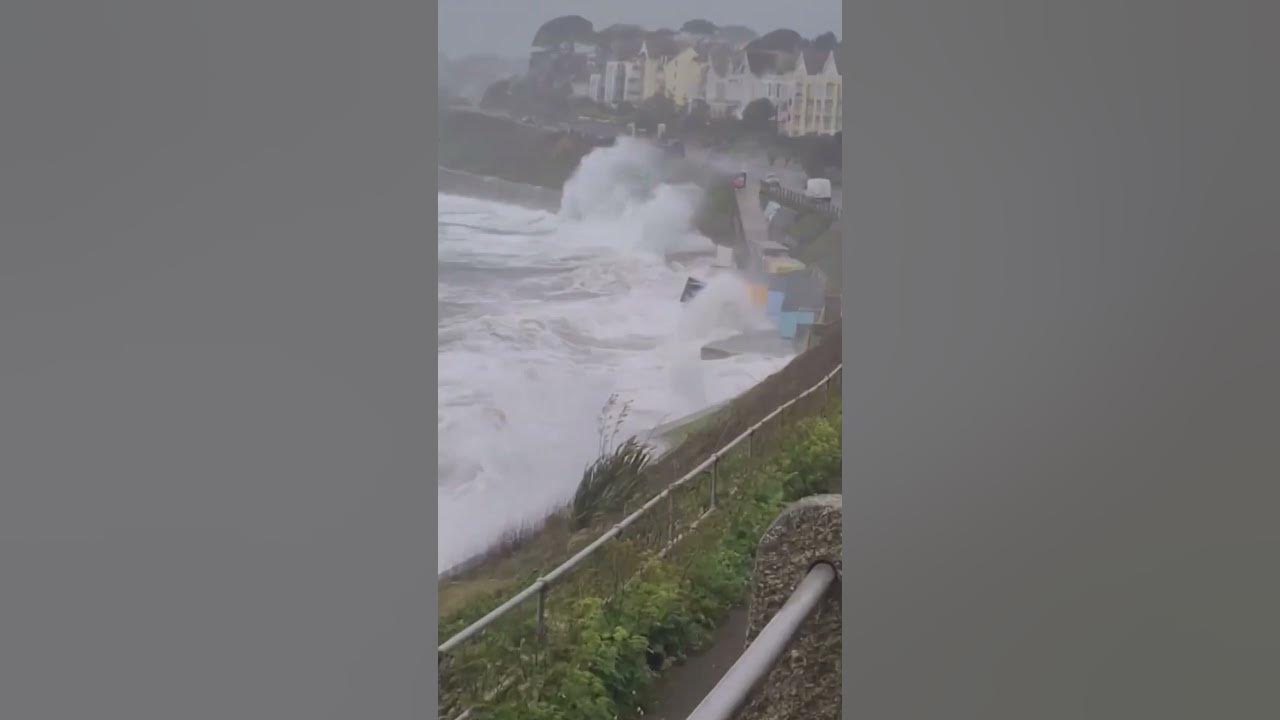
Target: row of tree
{"type": "Point", "coordinates": [577, 29]}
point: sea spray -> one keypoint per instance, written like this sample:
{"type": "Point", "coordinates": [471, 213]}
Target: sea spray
{"type": "Point", "coordinates": [548, 315]}
{"type": "Point", "coordinates": [624, 192]}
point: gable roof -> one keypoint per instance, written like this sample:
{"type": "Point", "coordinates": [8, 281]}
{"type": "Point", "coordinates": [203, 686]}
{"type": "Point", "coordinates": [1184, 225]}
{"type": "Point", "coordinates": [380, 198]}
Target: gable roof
{"type": "Point", "coordinates": [625, 48]}
{"type": "Point", "coordinates": [661, 45]}
{"type": "Point", "coordinates": [720, 58]}
{"type": "Point", "coordinates": [815, 61]}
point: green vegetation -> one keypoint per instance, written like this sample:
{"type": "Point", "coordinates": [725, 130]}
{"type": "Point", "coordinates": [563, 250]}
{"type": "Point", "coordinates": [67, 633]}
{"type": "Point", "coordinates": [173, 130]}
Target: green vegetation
{"type": "Point", "coordinates": [760, 116]}
{"type": "Point", "coordinates": [564, 29]}
{"type": "Point", "coordinates": [612, 479]}
{"type": "Point", "coordinates": [699, 26]}
{"type": "Point", "coordinates": [809, 225]}
{"type": "Point", "coordinates": [826, 42]}
{"type": "Point", "coordinates": [714, 218]}
{"type": "Point", "coordinates": [655, 110]}
{"type": "Point", "coordinates": [603, 648]}
{"type": "Point", "coordinates": [486, 145]}
{"type": "Point", "coordinates": [824, 253]}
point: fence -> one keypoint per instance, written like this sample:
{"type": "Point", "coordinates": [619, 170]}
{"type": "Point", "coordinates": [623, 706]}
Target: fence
{"type": "Point", "coordinates": [797, 199]}
{"type": "Point", "coordinates": [525, 622]}
{"type": "Point", "coordinates": [734, 689]}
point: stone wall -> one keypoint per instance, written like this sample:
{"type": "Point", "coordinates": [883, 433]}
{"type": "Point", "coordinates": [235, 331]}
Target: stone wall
{"type": "Point", "coordinates": [805, 684]}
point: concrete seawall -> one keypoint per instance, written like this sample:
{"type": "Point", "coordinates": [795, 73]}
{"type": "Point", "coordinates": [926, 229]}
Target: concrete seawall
{"type": "Point", "coordinates": [456, 182]}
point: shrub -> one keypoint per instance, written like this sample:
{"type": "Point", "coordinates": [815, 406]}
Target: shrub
{"type": "Point", "coordinates": [812, 466]}
{"type": "Point", "coordinates": [759, 116]}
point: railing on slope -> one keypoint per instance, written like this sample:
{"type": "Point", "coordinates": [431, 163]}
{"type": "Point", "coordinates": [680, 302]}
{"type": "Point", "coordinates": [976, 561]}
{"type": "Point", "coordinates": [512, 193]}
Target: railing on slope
{"type": "Point", "coordinates": [795, 198]}
{"type": "Point", "coordinates": [734, 689]}
{"type": "Point", "coordinates": [629, 544]}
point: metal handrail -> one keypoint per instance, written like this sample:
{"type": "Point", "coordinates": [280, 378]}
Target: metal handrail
{"type": "Point", "coordinates": [798, 198]}
{"type": "Point", "coordinates": [540, 586]}
{"type": "Point", "coordinates": [755, 664]}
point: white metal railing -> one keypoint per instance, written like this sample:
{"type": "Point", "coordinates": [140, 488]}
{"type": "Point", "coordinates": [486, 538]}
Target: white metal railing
{"type": "Point", "coordinates": [797, 198]}
{"type": "Point", "coordinates": [539, 589]}
{"type": "Point", "coordinates": [760, 657]}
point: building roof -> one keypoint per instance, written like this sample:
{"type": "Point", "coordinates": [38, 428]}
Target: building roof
{"type": "Point", "coordinates": [625, 48]}
{"type": "Point", "coordinates": [816, 60]}
{"type": "Point", "coordinates": [661, 45]}
{"type": "Point", "coordinates": [720, 58]}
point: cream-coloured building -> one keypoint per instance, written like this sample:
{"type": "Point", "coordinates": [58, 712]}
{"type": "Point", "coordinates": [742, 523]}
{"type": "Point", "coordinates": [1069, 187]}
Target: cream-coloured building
{"type": "Point", "coordinates": [815, 106]}
{"type": "Point", "coordinates": [656, 55]}
{"type": "Point", "coordinates": [684, 77]}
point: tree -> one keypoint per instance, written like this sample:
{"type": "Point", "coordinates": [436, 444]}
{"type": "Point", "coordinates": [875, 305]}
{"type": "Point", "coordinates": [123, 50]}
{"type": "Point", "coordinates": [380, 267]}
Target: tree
{"type": "Point", "coordinates": [821, 154]}
{"type": "Point", "coordinates": [784, 40]}
{"type": "Point", "coordinates": [564, 29]}
{"type": "Point", "coordinates": [825, 42]}
{"type": "Point", "coordinates": [735, 35]}
{"type": "Point", "coordinates": [699, 27]}
{"type": "Point", "coordinates": [496, 95]}
{"type": "Point", "coordinates": [759, 116]}
{"type": "Point", "coordinates": [699, 115]}
{"type": "Point", "coordinates": [654, 110]}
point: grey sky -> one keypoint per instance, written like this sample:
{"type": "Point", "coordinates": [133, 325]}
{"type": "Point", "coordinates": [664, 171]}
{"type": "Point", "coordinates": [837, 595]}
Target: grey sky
{"type": "Point", "coordinates": [506, 27]}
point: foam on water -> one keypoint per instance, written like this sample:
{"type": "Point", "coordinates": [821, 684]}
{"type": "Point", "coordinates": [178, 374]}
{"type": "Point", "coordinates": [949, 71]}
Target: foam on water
{"type": "Point", "coordinates": [544, 316]}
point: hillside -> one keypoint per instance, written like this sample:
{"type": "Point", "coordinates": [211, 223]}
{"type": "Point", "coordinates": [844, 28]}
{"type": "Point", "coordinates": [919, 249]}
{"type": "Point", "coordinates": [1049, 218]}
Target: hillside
{"type": "Point", "coordinates": [482, 144]}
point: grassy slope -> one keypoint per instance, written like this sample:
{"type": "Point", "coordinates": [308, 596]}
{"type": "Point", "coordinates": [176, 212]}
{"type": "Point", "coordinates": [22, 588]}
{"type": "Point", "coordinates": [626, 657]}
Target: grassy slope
{"type": "Point", "coordinates": [487, 145]}
{"type": "Point", "coordinates": [600, 655]}
{"type": "Point", "coordinates": [825, 253]}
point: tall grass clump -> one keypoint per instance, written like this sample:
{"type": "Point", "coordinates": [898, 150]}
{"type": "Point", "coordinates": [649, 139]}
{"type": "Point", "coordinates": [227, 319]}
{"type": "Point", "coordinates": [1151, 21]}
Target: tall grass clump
{"type": "Point", "coordinates": [612, 478]}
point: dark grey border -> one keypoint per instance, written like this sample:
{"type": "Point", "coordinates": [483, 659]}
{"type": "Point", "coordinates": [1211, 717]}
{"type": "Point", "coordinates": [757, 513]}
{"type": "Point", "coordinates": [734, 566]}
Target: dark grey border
{"type": "Point", "coordinates": [1061, 361]}
{"type": "Point", "coordinates": [216, 494]}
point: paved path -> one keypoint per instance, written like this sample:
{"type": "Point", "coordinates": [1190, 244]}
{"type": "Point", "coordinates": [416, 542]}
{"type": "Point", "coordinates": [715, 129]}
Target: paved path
{"type": "Point", "coordinates": [681, 688]}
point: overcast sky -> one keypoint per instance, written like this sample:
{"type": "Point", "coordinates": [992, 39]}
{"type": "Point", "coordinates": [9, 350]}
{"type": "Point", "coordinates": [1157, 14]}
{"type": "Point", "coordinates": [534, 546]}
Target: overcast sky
{"type": "Point", "coordinates": [506, 27]}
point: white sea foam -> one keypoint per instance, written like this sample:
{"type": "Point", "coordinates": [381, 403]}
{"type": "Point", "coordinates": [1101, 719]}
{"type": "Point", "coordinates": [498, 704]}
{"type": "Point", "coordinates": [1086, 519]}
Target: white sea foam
{"type": "Point", "coordinates": [544, 316]}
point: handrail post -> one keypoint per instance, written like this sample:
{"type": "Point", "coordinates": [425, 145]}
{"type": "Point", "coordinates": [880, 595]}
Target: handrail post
{"type": "Point", "coordinates": [671, 516]}
{"type": "Point", "coordinates": [542, 612]}
{"type": "Point", "coordinates": [715, 463]}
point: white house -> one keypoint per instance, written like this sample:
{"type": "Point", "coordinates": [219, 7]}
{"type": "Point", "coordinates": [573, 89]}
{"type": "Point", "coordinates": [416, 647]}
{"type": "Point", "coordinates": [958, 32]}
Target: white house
{"type": "Point", "coordinates": [624, 81]}
{"type": "Point", "coordinates": [595, 87]}
{"type": "Point", "coordinates": [724, 84]}
{"type": "Point", "coordinates": [733, 82]}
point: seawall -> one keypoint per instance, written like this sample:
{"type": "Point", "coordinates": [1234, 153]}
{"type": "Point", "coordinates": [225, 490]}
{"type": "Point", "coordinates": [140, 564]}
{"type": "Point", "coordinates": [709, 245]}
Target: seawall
{"type": "Point", "coordinates": [456, 182]}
